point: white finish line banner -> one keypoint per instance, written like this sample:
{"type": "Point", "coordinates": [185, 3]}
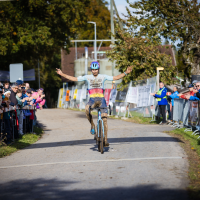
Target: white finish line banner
{"type": "Point", "coordinates": [144, 96]}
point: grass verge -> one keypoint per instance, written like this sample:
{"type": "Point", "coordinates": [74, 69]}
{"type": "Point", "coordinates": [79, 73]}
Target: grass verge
{"type": "Point", "coordinates": [191, 146]}
{"type": "Point", "coordinates": [20, 143]}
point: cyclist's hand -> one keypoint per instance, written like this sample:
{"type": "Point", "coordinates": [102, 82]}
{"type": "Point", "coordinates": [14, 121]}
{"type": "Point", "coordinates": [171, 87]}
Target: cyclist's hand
{"type": "Point", "coordinates": [58, 71]}
{"type": "Point", "coordinates": [129, 69]}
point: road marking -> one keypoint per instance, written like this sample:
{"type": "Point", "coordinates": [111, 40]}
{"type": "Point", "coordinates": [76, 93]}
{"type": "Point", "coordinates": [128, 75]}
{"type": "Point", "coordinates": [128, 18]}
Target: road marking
{"type": "Point", "coordinates": [92, 161]}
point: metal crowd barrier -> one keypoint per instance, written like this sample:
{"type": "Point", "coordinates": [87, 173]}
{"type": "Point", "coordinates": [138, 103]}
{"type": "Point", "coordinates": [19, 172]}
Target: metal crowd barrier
{"type": "Point", "coordinates": [186, 114]}
{"type": "Point", "coordinates": [14, 123]}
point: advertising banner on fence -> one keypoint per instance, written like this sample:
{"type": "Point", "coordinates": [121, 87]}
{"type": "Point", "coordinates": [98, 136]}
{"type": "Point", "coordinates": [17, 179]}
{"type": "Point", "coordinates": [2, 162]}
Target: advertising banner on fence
{"type": "Point", "coordinates": [132, 95]}
{"type": "Point", "coordinates": [78, 96]}
{"type": "Point", "coordinates": [152, 90]}
{"type": "Point", "coordinates": [107, 95]}
{"type": "Point", "coordinates": [60, 98]}
{"type": "Point", "coordinates": [193, 113]}
{"type": "Point", "coordinates": [67, 95]}
{"type": "Point", "coordinates": [113, 95]}
{"type": "Point", "coordinates": [84, 93]}
{"type": "Point", "coordinates": [121, 97]}
{"type": "Point", "coordinates": [75, 93]}
{"type": "Point", "coordinates": [143, 96]}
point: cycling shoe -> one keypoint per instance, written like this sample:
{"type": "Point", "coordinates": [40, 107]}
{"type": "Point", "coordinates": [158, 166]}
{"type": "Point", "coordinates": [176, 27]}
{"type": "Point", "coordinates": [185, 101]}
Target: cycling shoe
{"type": "Point", "coordinates": [92, 130]}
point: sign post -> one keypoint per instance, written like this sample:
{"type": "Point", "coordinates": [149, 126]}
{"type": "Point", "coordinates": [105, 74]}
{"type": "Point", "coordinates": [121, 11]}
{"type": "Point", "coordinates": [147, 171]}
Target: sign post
{"type": "Point", "coordinates": [16, 72]}
{"type": "Point", "coordinates": [158, 76]}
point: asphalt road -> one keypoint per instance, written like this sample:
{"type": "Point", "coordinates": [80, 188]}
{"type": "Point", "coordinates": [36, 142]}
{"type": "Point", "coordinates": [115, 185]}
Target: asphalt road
{"type": "Point", "coordinates": [142, 163]}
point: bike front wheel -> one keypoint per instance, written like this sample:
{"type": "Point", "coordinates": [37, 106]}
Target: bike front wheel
{"type": "Point", "coordinates": [101, 137]}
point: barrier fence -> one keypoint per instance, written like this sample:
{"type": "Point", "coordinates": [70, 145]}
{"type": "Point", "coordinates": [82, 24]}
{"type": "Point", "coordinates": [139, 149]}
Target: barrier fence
{"type": "Point", "coordinates": [28, 117]}
{"type": "Point", "coordinates": [186, 114]}
{"type": "Point", "coordinates": [135, 100]}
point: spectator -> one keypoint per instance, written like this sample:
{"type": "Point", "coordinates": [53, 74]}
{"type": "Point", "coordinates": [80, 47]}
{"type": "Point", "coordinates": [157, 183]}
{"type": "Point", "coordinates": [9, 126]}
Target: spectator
{"type": "Point", "coordinates": [13, 99]}
{"type": "Point", "coordinates": [19, 83]}
{"type": "Point", "coordinates": [174, 96]}
{"type": "Point", "coordinates": [1, 111]}
{"type": "Point", "coordinates": [196, 90]}
{"type": "Point", "coordinates": [19, 95]}
{"type": "Point", "coordinates": [7, 98]}
{"type": "Point", "coordinates": [27, 86]}
{"type": "Point", "coordinates": [20, 112]}
{"type": "Point", "coordinates": [6, 117]}
{"type": "Point", "coordinates": [197, 93]}
{"type": "Point", "coordinates": [194, 83]}
{"type": "Point", "coordinates": [14, 102]}
{"type": "Point", "coordinates": [29, 95]}
{"type": "Point", "coordinates": [6, 86]}
{"type": "Point", "coordinates": [191, 88]}
{"type": "Point", "coordinates": [39, 101]}
{"type": "Point", "coordinates": [168, 108]}
{"type": "Point", "coordinates": [162, 101]}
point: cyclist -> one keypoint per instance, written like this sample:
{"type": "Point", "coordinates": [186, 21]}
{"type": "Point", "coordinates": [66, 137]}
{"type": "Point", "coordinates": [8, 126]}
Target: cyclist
{"type": "Point", "coordinates": [96, 89]}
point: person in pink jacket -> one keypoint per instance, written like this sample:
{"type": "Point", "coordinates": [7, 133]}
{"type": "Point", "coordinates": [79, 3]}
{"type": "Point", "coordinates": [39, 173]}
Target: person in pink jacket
{"type": "Point", "coordinates": [38, 98]}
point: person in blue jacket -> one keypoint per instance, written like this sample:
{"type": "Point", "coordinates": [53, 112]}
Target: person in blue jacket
{"type": "Point", "coordinates": [196, 91]}
{"type": "Point", "coordinates": [174, 96]}
{"type": "Point", "coordinates": [161, 97]}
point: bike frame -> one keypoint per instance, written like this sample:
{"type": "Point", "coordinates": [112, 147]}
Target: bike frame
{"type": "Point", "coordinates": [99, 120]}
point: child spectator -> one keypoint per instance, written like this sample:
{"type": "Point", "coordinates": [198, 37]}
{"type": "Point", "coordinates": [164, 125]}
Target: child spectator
{"type": "Point", "coordinates": [39, 101]}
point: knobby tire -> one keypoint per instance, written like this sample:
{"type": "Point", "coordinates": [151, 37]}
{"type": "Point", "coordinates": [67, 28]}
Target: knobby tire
{"type": "Point", "coordinates": [98, 139]}
{"type": "Point", "coordinates": [101, 137]}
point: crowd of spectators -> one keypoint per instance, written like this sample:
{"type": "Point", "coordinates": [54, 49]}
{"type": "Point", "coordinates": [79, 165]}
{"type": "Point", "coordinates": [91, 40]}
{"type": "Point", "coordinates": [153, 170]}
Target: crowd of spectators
{"type": "Point", "coordinates": [18, 103]}
{"type": "Point", "coordinates": [166, 99]}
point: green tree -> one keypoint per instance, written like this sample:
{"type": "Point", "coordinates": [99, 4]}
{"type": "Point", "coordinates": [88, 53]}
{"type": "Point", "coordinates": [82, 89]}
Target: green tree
{"type": "Point", "coordinates": [143, 54]}
{"type": "Point", "coordinates": [37, 29]}
{"type": "Point", "coordinates": [98, 12]}
{"type": "Point", "coordinates": [174, 20]}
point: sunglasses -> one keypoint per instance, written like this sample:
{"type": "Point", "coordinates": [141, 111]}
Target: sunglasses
{"type": "Point", "coordinates": [22, 87]}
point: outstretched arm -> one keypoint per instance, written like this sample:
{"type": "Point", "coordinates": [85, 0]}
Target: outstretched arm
{"type": "Point", "coordinates": [71, 78]}
{"type": "Point", "coordinates": [129, 69]}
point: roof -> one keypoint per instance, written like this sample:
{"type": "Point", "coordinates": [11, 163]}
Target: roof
{"type": "Point", "coordinates": [167, 49]}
